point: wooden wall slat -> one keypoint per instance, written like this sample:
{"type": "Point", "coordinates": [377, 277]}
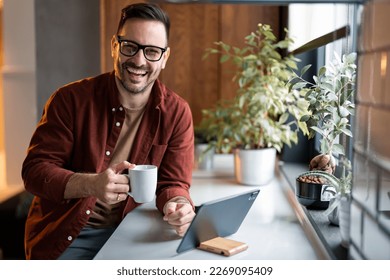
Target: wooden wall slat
{"type": "Point", "coordinates": [236, 22]}
{"type": "Point", "coordinates": [194, 27]}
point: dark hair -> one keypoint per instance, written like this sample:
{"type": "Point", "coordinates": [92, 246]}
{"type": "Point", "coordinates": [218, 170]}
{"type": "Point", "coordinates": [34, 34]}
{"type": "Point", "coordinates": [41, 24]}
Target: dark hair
{"type": "Point", "coordinates": [144, 11]}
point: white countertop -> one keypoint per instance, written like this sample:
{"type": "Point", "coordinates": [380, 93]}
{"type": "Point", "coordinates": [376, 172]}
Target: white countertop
{"type": "Point", "coordinates": [270, 229]}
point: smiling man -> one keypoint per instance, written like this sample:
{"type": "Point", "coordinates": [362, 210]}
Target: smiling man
{"type": "Point", "coordinates": [93, 130]}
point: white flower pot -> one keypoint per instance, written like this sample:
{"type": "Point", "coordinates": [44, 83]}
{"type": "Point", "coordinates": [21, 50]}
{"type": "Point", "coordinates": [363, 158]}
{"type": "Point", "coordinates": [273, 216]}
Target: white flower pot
{"type": "Point", "coordinates": [204, 158]}
{"type": "Point", "coordinates": [254, 167]}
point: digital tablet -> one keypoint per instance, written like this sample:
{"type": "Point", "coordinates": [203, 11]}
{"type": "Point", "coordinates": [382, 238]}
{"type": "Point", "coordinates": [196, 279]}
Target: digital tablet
{"type": "Point", "coordinates": [217, 218]}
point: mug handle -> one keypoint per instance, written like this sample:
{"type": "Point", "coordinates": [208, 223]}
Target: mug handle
{"type": "Point", "coordinates": [129, 192]}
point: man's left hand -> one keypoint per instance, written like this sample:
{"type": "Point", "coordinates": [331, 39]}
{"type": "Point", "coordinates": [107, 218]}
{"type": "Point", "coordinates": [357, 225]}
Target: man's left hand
{"type": "Point", "coordinates": [179, 213]}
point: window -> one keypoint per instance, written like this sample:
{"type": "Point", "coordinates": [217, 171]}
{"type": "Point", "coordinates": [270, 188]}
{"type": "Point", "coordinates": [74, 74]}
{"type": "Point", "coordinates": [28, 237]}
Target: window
{"type": "Point", "coordinates": [309, 25]}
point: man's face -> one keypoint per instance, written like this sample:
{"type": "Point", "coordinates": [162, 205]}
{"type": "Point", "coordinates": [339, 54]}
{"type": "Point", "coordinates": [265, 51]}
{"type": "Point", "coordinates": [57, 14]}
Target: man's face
{"type": "Point", "coordinates": [137, 74]}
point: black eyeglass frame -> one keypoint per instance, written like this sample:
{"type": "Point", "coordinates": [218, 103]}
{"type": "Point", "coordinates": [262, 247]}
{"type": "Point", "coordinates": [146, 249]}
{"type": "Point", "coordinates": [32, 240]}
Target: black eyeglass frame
{"type": "Point", "coordinates": [140, 47]}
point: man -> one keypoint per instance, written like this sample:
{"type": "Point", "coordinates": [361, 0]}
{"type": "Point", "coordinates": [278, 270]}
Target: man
{"type": "Point", "coordinates": [93, 130]}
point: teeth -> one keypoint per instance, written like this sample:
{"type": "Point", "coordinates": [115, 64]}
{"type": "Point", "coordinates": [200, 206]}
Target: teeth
{"type": "Point", "coordinates": [136, 71]}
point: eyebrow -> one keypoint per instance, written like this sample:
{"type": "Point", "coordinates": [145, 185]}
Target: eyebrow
{"type": "Point", "coordinates": [120, 38]}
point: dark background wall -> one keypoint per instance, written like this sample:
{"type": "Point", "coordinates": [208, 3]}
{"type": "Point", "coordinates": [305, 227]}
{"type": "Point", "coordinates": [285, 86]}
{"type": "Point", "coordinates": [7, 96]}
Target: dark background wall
{"type": "Point", "coordinates": [67, 43]}
{"type": "Point", "coordinates": [67, 49]}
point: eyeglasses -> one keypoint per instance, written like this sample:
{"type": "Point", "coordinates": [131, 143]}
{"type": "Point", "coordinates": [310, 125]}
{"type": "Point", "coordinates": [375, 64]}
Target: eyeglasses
{"type": "Point", "coordinates": [131, 48]}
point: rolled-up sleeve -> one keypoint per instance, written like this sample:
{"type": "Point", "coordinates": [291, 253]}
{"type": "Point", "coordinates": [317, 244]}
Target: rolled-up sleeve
{"type": "Point", "coordinates": [175, 174]}
{"type": "Point", "coordinates": [43, 171]}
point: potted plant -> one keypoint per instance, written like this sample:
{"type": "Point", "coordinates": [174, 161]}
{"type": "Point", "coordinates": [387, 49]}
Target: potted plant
{"type": "Point", "coordinates": [265, 114]}
{"type": "Point", "coordinates": [331, 106]}
{"type": "Point", "coordinates": [340, 205]}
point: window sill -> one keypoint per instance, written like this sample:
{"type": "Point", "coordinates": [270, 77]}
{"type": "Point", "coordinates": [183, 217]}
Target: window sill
{"type": "Point", "coordinates": [326, 236]}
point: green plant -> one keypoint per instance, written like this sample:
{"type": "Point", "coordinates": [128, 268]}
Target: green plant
{"type": "Point", "coordinates": [201, 135]}
{"type": "Point", "coordinates": [265, 112]}
{"type": "Point", "coordinates": [342, 185]}
{"type": "Point", "coordinates": [331, 105]}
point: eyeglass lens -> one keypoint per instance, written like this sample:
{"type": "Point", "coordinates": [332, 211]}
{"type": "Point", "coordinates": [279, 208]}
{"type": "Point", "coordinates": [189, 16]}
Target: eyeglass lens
{"type": "Point", "coordinates": [150, 53]}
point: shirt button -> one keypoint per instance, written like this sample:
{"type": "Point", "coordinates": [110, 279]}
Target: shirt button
{"type": "Point", "coordinates": [118, 124]}
{"type": "Point", "coordinates": [113, 109]}
{"type": "Point", "coordinates": [120, 109]}
{"type": "Point", "coordinates": [70, 238]}
{"type": "Point", "coordinates": [88, 212]}
{"type": "Point", "coordinates": [108, 153]}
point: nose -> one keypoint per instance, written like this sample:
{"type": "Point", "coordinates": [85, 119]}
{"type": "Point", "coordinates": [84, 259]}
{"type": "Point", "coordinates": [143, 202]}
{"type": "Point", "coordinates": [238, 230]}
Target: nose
{"type": "Point", "coordinates": [139, 58]}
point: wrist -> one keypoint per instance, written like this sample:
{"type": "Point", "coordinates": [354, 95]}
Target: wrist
{"type": "Point", "coordinates": [179, 199]}
{"type": "Point", "coordinates": [79, 185]}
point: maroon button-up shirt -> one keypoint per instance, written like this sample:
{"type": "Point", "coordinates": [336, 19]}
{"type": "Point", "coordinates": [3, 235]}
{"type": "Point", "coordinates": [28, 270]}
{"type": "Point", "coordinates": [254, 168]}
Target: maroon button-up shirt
{"type": "Point", "coordinates": [77, 133]}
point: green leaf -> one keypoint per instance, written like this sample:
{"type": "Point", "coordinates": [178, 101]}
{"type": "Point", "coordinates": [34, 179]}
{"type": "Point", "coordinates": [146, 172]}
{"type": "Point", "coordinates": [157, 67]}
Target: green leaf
{"type": "Point", "coordinates": [302, 105]}
{"type": "Point", "coordinates": [291, 64]}
{"type": "Point", "coordinates": [269, 35]}
{"type": "Point", "coordinates": [347, 132]}
{"type": "Point", "coordinates": [283, 118]}
{"type": "Point", "coordinates": [338, 149]}
{"type": "Point", "coordinates": [282, 44]}
{"type": "Point", "coordinates": [350, 58]}
{"type": "Point", "coordinates": [250, 58]}
{"type": "Point", "coordinates": [304, 69]}
{"type": "Point", "coordinates": [322, 71]}
{"type": "Point", "coordinates": [225, 47]}
{"type": "Point", "coordinates": [294, 138]}
{"type": "Point", "coordinates": [328, 87]}
{"type": "Point", "coordinates": [319, 130]}
{"type": "Point", "coordinates": [237, 60]}
{"type": "Point", "coordinates": [308, 94]}
{"type": "Point", "coordinates": [338, 86]}
{"type": "Point", "coordinates": [343, 112]}
{"type": "Point", "coordinates": [241, 101]}
{"type": "Point", "coordinates": [299, 85]}
{"type": "Point", "coordinates": [303, 128]}
{"type": "Point", "coordinates": [304, 118]}
{"type": "Point", "coordinates": [324, 147]}
{"type": "Point", "coordinates": [236, 50]}
{"type": "Point", "coordinates": [224, 58]}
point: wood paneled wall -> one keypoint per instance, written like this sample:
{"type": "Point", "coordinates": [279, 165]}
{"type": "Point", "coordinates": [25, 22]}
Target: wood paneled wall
{"type": "Point", "coordinates": [194, 27]}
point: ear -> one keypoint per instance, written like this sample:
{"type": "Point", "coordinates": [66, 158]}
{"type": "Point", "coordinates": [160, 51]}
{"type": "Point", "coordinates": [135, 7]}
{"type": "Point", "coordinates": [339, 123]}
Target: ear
{"type": "Point", "coordinates": [165, 57]}
{"type": "Point", "coordinates": [114, 43]}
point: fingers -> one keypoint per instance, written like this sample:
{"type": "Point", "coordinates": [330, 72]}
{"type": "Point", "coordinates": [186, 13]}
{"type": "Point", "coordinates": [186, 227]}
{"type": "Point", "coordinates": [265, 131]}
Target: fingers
{"type": "Point", "coordinates": [170, 208]}
{"type": "Point", "coordinates": [120, 167]}
{"type": "Point", "coordinates": [119, 191]}
{"type": "Point", "coordinates": [117, 184]}
{"type": "Point", "coordinates": [121, 181]}
{"type": "Point", "coordinates": [181, 230]}
{"type": "Point", "coordinates": [118, 197]}
{"type": "Point", "coordinates": [111, 186]}
{"type": "Point", "coordinates": [179, 215]}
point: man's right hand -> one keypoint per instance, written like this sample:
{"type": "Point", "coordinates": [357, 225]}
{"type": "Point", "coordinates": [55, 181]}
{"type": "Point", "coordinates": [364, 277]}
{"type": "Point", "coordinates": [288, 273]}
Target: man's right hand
{"type": "Point", "coordinates": [110, 186]}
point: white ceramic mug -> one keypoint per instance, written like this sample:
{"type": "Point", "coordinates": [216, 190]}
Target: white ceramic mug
{"type": "Point", "coordinates": [143, 182]}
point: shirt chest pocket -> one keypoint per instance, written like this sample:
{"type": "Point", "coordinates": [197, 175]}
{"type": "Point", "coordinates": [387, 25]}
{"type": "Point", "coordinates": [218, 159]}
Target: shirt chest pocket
{"type": "Point", "coordinates": [156, 154]}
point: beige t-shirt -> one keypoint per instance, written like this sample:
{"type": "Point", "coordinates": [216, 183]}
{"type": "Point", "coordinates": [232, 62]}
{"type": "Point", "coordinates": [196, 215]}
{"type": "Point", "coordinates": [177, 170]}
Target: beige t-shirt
{"type": "Point", "coordinates": [105, 215]}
